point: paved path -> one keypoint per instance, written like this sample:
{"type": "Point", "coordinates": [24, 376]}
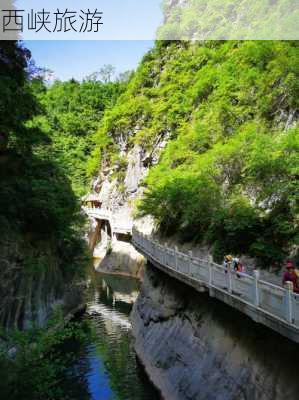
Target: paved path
{"type": "Point", "coordinates": [117, 223]}
{"type": "Point", "coordinates": [264, 302]}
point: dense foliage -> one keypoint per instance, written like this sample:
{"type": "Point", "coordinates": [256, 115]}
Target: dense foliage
{"type": "Point", "coordinates": [45, 140]}
{"type": "Point", "coordinates": [37, 365]}
{"type": "Point", "coordinates": [217, 20]}
{"type": "Point", "coordinates": [71, 112]}
{"type": "Point", "coordinates": [38, 208]}
{"type": "Point", "coordinates": [16, 101]}
{"type": "Point", "coordinates": [46, 136]}
{"type": "Point", "coordinates": [229, 176]}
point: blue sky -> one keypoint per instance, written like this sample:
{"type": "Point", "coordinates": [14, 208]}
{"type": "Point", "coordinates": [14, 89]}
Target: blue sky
{"type": "Point", "coordinates": [122, 19]}
{"type": "Point", "coordinates": [77, 59]}
{"type": "Point", "coordinates": [136, 19]}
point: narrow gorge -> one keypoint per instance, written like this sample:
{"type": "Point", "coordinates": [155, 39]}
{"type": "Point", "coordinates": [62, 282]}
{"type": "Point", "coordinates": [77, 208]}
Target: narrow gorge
{"type": "Point", "coordinates": [197, 185]}
{"type": "Point", "coordinates": [196, 150]}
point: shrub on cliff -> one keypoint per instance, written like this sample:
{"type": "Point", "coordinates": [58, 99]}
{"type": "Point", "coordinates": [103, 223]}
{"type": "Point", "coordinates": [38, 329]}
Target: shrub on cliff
{"type": "Point", "coordinates": [229, 174]}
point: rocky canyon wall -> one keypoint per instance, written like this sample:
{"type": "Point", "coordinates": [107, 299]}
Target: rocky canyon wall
{"type": "Point", "coordinates": [194, 347]}
{"type": "Point", "coordinates": [115, 253]}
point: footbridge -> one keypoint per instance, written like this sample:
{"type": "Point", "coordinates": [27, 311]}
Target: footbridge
{"type": "Point", "coordinates": [117, 223]}
{"type": "Point", "coordinates": [273, 306]}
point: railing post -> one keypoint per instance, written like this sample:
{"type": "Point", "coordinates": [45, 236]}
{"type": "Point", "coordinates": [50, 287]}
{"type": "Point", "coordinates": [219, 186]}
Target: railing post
{"type": "Point", "coordinates": [211, 289]}
{"type": "Point", "coordinates": [154, 249]}
{"type": "Point", "coordinates": [176, 257]}
{"type": "Point", "coordinates": [165, 255]}
{"type": "Point", "coordinates": [256, 275]}
{"type": "Point", "coordinates": [158, 253]}
{"type": "Point", "coordinates": [190, 262]}
{"type": "Point", "coordinates": [230, 282]}
{"type": "Point", "coordinates": [140, 239]}
{"type": "Point", "coordinates": [162, 255]}
{"type": "Point", "coordinates": [210, 274]}
{"type": "Point", "coordinates": [289, 310]}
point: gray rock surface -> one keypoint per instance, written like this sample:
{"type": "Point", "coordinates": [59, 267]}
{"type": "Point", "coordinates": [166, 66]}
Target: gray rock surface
{"type": "Point", "coordinates": [135, 170]}
{"type": "Point", "coordinates": [28, 298]}
{"type": "Point", "coordinates": [115, 255]}
{"type": "Point", "coordinates": [122, 259]}
{"type": "Point", "coordinates": [196, 348]}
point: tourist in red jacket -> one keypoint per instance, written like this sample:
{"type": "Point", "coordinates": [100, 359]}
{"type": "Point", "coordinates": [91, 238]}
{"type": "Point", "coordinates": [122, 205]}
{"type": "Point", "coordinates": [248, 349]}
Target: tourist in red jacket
{"type": "Point", "coordinates": [291, 276]}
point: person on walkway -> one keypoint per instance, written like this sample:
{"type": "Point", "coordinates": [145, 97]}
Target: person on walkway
{"type": "Point", "coordinates": [291, 276]}
{"type": "Point", "coordinates": [227, 263]}
{"type": "Point", "coordinates": [238, 267]}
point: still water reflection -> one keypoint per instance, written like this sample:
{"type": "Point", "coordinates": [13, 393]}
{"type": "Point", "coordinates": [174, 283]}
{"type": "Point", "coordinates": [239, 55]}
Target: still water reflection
{"type": "Point", "coordinates": [107, 368]}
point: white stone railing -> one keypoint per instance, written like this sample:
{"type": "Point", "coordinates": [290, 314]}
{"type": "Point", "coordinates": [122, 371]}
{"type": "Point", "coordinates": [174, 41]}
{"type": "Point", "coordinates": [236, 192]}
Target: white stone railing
{"type": "Point", "coordinates": [102, 213]}
{"type": "Point", "coordinates": [107, 215]}
{"type": "Point", "coordinates": [265, 298]}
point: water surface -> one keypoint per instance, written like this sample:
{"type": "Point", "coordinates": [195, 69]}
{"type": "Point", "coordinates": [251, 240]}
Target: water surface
{"type": "Point", "coordinates": [107, 368]}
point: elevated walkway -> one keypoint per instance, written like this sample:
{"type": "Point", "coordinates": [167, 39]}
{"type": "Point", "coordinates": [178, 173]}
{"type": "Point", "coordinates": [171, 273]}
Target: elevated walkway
{"type": "Point", "coordinates": [268, 304]}
{"type": "Point", "coordinates": [117, 223]}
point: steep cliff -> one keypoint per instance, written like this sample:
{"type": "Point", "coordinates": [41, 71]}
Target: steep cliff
{"type": "Point", "coordinates": [42, 253]}
{"type": "Point", "coordinates": [33, 283]}
{"type": "Point", "coordinates": [204, 140]}
{"type": "Point", "coordinates": [195, 348]}
{"type": "Point", "coordinates": [203, 145]}
{"type": "Point", "coordinates": [114, 252]}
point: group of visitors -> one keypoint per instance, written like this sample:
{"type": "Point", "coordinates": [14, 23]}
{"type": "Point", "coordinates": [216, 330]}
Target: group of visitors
{"type": "Point", "coordinates": [233, 264]}
{"type": "Point", "coordinates": [291, 275]}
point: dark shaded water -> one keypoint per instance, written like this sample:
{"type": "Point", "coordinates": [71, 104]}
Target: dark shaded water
{"type": "Point", "coordinates": [107, 368]}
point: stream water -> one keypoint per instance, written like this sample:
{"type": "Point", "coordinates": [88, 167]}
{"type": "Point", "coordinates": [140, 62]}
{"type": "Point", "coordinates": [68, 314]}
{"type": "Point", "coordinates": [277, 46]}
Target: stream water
{"type": "Point", "coordinates": [107, 368]}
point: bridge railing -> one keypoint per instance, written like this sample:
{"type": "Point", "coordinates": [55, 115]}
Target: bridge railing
{"type": "Point", "coordinates": [106, 214]}
{"type": "Point", "coordinates": [103, 213]}
{"type": "Point", "coordinates": [280, 303]}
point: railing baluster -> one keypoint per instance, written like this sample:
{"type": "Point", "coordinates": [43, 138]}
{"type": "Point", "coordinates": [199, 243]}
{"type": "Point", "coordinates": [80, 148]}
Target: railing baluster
{"type": "Point", "coordinates": [166, 254]}
{"type": "Point", "coordinates": [176, 257]}
{"type": "Point", "coordinates": [289, 304]}
{"type": "Point", "coordinates": [259, 294]}
{"type": "Point", "coordinates": [256, 274]}
{"type": "Point", "coordinates": [230, 282]}
{"type": "Point", "coordinates": [210, 274]}
{"type": "Point", "coordinates": [190, 262]}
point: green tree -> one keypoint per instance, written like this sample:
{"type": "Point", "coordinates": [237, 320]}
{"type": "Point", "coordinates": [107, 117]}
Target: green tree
{"type": "Point", "coordinates": [229, 172]}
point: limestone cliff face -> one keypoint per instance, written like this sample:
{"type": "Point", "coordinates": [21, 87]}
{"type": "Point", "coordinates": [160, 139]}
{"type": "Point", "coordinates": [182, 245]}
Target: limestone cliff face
{"type": "Point", "coordinates": [116, 254]}
{"type": "Point", "coordinates": [28, 292]}
{"type": "Point", "coordinates": [196, 348]}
